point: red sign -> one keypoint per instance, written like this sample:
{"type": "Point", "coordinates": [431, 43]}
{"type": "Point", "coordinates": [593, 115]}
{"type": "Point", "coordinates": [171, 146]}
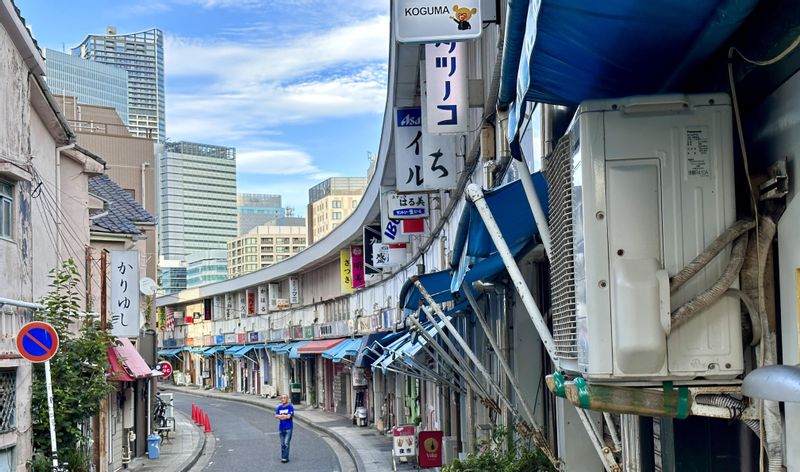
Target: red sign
{"type": "Point", "coordinates": [357, 265]}
{"type": "Point", "coordinates": [165, 368]}
{"type": "Point", "coordinates": [37, 341]}
{"type": "Point", "coordinates": [430, 449]}
{"type": "Point", "coordinates": [251, 303]}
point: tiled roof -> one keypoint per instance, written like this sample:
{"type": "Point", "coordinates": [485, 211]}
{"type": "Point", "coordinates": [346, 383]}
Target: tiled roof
{"type": "Point", "coordinates": [123, 212]}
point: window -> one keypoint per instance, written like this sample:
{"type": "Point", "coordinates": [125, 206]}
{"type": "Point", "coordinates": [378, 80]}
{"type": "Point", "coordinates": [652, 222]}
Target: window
{"type": "Point", "coordinates": [8, 400]}
{"type": "Point", "coordinates": [266, 241]}
{"type": "Point", "coordinates": [354, 203]}
{"type": "Point", "coordinates": [6, 203]}
{"type": "Point", "coordinates": [336, 204]}
{"type": "Point", "coordinates": [337, 215]}
{"type": "Point", "coordinates": [298, 240]}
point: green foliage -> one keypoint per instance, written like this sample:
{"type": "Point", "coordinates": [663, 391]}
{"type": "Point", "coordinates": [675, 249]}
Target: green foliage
{"type": "Point", "coordinates": [77, 370]}
{"type": "Point", "coordinates": [503, 452]}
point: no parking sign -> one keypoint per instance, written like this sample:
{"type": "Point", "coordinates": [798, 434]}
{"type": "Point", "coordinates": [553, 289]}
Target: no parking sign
{"type": "Point", "coordinates": [37, 341]}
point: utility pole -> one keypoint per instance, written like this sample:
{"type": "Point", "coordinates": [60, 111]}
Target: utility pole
{"type": "Point", "coordinates": [102, 464]}
{"type": "Point", "coordinates": [96, 418]}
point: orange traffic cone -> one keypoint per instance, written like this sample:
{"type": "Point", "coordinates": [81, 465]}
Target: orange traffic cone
{"type": "Point", "coordinates": [194, 412]}
{"type": "Point", "coordinates": [199, 416]}
{"type": "Point", "coordinates": [207, 424]}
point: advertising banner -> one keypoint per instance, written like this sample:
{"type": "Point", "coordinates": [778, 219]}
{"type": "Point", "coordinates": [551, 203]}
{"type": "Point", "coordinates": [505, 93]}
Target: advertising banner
{"type": "Point", "coordinates": [346, 271]}
{"type": "Point", "coordinates": [407, 205]}
{"type": "Point", "coordinates": [408, 149]}
{"type": "Point", "coordinates": [446, 88]}
{"type": "Point", "coordinates": [372, 235]}
{"type": "Point", "coordinates": [439, 162]}
{"type": "Point", "coordinates": [430, 449]}
{"type": "Point", "coordinates": [251, 302]}
{"type": "Point", "coordinates": [263, 304]}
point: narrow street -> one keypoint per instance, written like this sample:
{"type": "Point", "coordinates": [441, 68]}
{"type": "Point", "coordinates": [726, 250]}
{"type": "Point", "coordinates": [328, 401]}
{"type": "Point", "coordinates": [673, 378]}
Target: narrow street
{"type": "Point", "coordinates": [247, 439]}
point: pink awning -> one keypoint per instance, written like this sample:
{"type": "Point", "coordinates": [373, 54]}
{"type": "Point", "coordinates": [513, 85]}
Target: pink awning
{"type": "Point", "coordinates": [126, 363]}
{"type": "Point", "coordinates": [318, 347]}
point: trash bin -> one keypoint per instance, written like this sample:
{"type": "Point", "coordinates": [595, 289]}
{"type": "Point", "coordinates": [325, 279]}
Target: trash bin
{"type": "Point", "coordinates": [153, 446]}
{"type": "Point", "coordinates": [296, 393]}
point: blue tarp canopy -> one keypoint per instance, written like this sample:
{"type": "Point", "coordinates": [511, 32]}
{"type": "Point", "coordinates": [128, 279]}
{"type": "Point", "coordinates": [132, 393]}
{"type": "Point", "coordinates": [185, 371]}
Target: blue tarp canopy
{"type": "Point", "coordinates": [276, 347]}
{"type": "Point", "coordinates": [244, 350]}
{"type": "Point", "coordinates": [169, 352]}
{"type": "Point", "coordinates": [475, 256]}
{"type": "Point", "coordinates": [569, 51]}
{"type": "Point", "coordinates": [230, 350]}
{"type": "Point", "coordinates": [292, 350]}
{"type": "Point", "coordinates": [348, 347]}
{"type": "Point", "coordinates": [373, 347]}
{"type": "Point", "coordinates": [197, 350]}
{"type": "Point", "coordinates": [212, 350]}
{"type": "Point", "coordinates": [437, 284]}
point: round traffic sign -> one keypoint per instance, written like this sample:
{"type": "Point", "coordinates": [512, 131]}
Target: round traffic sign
{"type": "Point", "coordinates": [165, 368]}
{"type": "Point", "coordinates": [37, 341]}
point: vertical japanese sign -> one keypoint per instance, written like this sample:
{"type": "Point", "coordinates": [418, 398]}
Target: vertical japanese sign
{"type": "Point", "coordinates": [273, 296]}
{"type": "Point", "coordinates": [207, 309]}
{"type": "Point", "coordinates": [446, 88]}
{"type": "Point", "coordinates": [439, 161]}
{"type": "Point", "coordinates": [251, 302]}
{"type": "Point", "coordinates": [372, 235]}
{"type": "Point", "coordinates": [388, 255]}
{"type": "Point", "coordinates": [242, 304]}
{"type": "Point", "coordinates": [125, 293]}
{"type": "Point", "coordinates": [218, 310]}
{"type": "Point", "coordinates": [408, 149]}
{"type": "Point", "coordinates": [294, 291]}
{"type": "Point", "coordinates": [263, 306]}
{"type": "Point", "coordinates": [228, 305]}
{"type": "Point", "coordinates": [346, 271]}
{"type": "Point", "coordinates": [357, 263]}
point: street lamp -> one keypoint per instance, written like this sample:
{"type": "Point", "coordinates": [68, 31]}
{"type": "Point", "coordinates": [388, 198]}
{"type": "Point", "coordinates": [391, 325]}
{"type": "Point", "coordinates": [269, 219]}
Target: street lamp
{"type": "Point", "coordinates": [780, 383]}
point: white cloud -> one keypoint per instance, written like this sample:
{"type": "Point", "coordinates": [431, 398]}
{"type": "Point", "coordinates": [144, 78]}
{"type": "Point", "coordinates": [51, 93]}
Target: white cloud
{"type": "Point", "coordinates": [275, 161]}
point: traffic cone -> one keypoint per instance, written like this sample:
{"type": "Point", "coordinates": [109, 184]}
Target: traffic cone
{"type": "Point", "coordinates": [207, 424]}
{"type": "Point", "coordinates": [194, 412]}
{"type": "Point", "coordinates": [199, 416]}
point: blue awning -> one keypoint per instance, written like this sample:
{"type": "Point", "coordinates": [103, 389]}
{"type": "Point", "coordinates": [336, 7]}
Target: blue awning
{"type": "Point", "coordinates": [231, 350]}
{"type": "Point", "coordinates": [212, 350]}
{"type": "Point", "coordinates": [276, 347]}
{"type": "Point", "coordinates": [348, 347]}
{"type": "Point", "coordinates": [437, 284]}
{"type": "Point", "coordinates": [244, 350]}
{"type": "Point", "coordinates": [572, 51]}
{"type": "Point", "coordinates": [197, 350]}
{"type": "Point", "coordinates": [475, 256]}
{"type": "Point", "coordinates": [373, 346]}
{"type": "Point", "coordinates": [292, 350]}
{"type": "Point", "coordinates": [169, 352]}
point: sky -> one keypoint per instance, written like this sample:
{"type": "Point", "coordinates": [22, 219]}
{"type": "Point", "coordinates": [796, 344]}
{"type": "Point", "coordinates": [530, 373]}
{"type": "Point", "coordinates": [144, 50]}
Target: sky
{"type": "Point", "coordinates": [298, 87]}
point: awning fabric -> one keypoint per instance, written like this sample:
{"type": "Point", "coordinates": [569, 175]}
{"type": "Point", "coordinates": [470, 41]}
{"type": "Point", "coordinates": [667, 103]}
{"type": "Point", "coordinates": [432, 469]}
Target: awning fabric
{"type": "Point", "coordinates": [244, 350]}
{"type": "Point", "coordinates": [231, 350]}
{"type": "Point", "coordinates": [372, 347]}
{"type": "Point", "coordinates": [475, 256]}
{"type": "Point", "coordinates": [275, 347]}
{"type": "Point", "coordinates": [573, 51]}
{"type": "Point", "coordinates": [410, 344]}
{"type": "Point", "coordinates": [126, 363]}
{"type": "Point", "coordinates": [348, 347]}
{"type": "Point", "coordinates": [319, 346]}
{"type": "Point", "coordinates": [172, 352]}
{"type": "Point", "coordinates": [437, 284]}
{"type": "Point", "coordinates": [294, 347]}
{"type": "Point", "coordinates": [212, 350]}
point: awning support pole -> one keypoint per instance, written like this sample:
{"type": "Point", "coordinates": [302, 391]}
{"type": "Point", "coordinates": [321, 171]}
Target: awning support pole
{"type": "Point", "coordinates": [533, 200]}
{"type": "Point", "coordinates": [476, 195]}
{"type": "Point", "coordinates": [437, 377]}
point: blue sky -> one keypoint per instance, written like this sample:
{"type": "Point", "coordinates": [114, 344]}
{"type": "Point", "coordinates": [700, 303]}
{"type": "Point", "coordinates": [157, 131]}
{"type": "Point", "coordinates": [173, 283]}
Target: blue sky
{"type": "Point", "coordinates": [297, 86]}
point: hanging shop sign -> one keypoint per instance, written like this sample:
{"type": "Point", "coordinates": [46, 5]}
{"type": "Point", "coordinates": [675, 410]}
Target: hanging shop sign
{"type": "Point", "coordinates": [242, 307]}
{"type": "Point", "coordinates": [345, 271]}
{"type": "Point", "coordinates": [408, 149]}
{"type": "Point", "coordinates": [388, 255]}
{"type": "Point", "coordinates": [407, 205]}
{"type": "Point", "coordinates": [423, 21]}
{"type": "Point", "coordinates": [253, 337]}
{"type": "Point", "coordinates": [403, 441]}
{"type": "Point", "coordinates": [282, 303]}
{"type": "Point", "coordinates": [359, 377]}
{"type": "Point", "coordinates": [230, 338]}
{"type": "Point", "coordinates": [273, 291]}
{"type": "Point", "coordinates": [439, 162]}
{"type": "Point", "coordinates": [263, 306]}
{"type": "Point", "coordinates": [207, 309]}
{"type": "Point", "coordinates": [218, 308]}
{"type": "Point", "coordinates": [241, 338]}
{"type": "Point", "coordinates": [391, 228]}
{"type": "Point", "coordinates": [219, 339]}
{"type": "Point", "coordinates": [228, 305]}
{"type": "Point", "coordinates": [294, 290]}
{"type": "Point", "coordinates": [208, 340]}
{"type": "Point", "coordinates": [251, 302]}
{"type": "Point", "coordinates": [357, 266]}
{"type": "Point", "coordinates": [372, 235]}
{"type": "Point", "coordinates": [124, 306]}
{"type": "Point", "coordinates": [446, 94]}
{"type": "Point", "coordinates": [308, 332]}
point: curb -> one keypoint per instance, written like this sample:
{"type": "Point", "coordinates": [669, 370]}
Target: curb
{"type": "Point", "coordinates": [328, 432]}
{"type": "Point", "coordinates": [198, 450]}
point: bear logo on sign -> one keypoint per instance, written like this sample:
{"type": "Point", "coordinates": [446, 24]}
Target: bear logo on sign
{"type": "Point", "coordinates": [463, 16]}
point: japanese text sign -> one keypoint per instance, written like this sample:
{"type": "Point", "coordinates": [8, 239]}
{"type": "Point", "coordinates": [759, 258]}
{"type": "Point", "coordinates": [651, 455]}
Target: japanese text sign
{"type": "Point", "coordinates": [422, 21]}
{"type": "Point", "coordinates": [388, 255]}
{"type": "Point", "coordinates": [346, 271]}
{"type": "Point", "coordinates": [294, 291]}
{"type": "Point", "coordinates": [439, 171]}
{"type": "Point", "coordinates": [251, 302]}
{"type": "Point", "coordinates": [390, 227]}
{"type": "Point", "coordinates": [262, 300]}
{"type": "Point", "coordinates": [274, 291]}
{"type": "Point", "coordinates": [406, 206]}
{"type": "Point", "coordinates": [372, 235]}
{"type": "Point", "coordinates": [446, 88]}
{"type": "Point", "coordinates": [403, 441]}
{"type": "Point", "coordinates": [357, 264]}
{"type": "Point", "coordinates": [408, 149]}
{"type": "Point", "coordinates": [124, 305]}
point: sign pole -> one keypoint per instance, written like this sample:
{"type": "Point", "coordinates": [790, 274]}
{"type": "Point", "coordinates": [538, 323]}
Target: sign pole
{"type": "Point", "coordinates": [50, 413]}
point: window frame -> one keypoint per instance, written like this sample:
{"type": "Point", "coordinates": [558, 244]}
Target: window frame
{"type": "Point", "coordinates": [7, 201]}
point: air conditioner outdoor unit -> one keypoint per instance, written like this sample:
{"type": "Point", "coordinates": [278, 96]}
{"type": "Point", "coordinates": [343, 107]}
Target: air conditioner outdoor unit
{"type": "Point", "coordinates": [638, 187]}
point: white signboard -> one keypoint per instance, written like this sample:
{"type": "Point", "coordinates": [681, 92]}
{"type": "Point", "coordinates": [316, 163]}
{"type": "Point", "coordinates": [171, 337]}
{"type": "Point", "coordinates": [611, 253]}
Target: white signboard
{"type": "Point", "coordinates": [124, 293]}
{"type": "Point", "coordinates": [294, 290]}
{"type": "Point", "coordinates": [263, 306]}
{"type": "Point", "coordinates": [407, 205]}
{"type": "Point", "coordinates": [408, 149]}
{"type": "Point", "coordinates": [388, 255]}
{"type": "Point", "coordinates": [391, 228]}
{"type": "Point", "coordinates": [218, 310]}
{"type": "Point", "coordinates": [424, 21]}
{"type": "Point", "coordinates": [446, 88]}
{"type": "Point", "coordinates": [242, 296]}
{"type": "Point", "coordinates": [439, 164]}
{"type": "Point", "coordinates": [228, 305]}
{"type": "Point", "coordinates": [273, 296]}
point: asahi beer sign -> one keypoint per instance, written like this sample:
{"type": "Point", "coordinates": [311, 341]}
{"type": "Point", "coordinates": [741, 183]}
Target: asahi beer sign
{"type": "Point", "coordinates": [408, 149]}
{"type": "Point", "coordinates": [421, 21]}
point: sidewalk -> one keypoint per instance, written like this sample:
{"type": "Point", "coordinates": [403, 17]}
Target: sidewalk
{"type": "Point", "coordinates": [179, 452]}
{"type": "Point", "coordinates": [371, 451]}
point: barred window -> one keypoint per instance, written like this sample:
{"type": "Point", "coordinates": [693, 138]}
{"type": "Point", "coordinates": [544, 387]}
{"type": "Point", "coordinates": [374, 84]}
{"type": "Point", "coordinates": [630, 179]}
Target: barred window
{"type": "Point", "coordinates": [8, 400]}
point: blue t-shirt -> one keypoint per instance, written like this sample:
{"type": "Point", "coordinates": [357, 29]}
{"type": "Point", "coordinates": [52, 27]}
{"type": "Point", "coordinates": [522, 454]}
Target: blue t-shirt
{"type": "Point", "coordinates": [285, 410]}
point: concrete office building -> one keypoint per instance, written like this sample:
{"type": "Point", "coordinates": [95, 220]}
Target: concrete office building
{"type": "Point", "coordinates": [90, 82]}
{"type": "Point", "coordinates": [142, 55]}
{"type": "Point", "coordinates": [265, 245]}
{"type": "Point", "coordinates": [330, 202]}
{"type": "Point", "coordinates": [256, 209]}
{"type": "Point", "coordinates": [205, 267]}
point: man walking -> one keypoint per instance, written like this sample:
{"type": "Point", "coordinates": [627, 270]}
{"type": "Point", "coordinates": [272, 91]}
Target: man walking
{"type": "Point", "coordinates": [285, 413]}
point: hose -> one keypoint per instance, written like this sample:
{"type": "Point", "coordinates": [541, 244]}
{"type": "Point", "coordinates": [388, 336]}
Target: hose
{"type": "Point", "coordinates": [710, 252]}
{"type": "Point", "coordinates": [702, 301]}
{"type": "Point", "coordinates": [755, 320]}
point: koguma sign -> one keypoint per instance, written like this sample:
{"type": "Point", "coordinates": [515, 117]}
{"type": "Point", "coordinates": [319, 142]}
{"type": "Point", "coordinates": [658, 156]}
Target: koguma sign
{"type": "Point", "coordinates": [421, 21]}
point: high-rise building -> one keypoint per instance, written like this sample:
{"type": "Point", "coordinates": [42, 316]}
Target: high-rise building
{"type": "Point", "coordinates": [330, 202]}
{"type": "Point", "coordinates": [142, 55]}
{"type": "Point", "coordinates": [205, 267]}
{"type": "Point", "coordinates": [256, 209]}
{"type": "Point", "coordinates": [265, 245]}
{"type": "Point", "coordinates": [197, 206]}
{"type": "Point", "coordinates": [90, 82]}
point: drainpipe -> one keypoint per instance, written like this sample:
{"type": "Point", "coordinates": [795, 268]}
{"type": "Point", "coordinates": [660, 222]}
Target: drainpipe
{"type": "Point", "coordinates": [59, 150]}
{"type": "Point", "coordinates": [145, 165]}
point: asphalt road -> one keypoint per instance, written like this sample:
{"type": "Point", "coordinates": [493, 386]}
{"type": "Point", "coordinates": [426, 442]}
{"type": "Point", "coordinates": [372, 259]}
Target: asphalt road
{"type": "Point", "coordinates": [247, 440]}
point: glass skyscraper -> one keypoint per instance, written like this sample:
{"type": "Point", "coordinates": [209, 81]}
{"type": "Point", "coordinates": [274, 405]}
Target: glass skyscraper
{"type": "Point", "coordinates": [142, 55]}
{"type": "Point", "coordinates": [91, 83]}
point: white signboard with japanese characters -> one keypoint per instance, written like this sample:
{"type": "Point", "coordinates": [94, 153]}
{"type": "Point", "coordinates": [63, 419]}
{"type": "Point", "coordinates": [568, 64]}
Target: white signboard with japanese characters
{"type": "Point", "coordinates": [391, 228]}
{"type": "Point", "coordinates": [242, 306]}
{"type": "Point", "coordinates": [263, 305]}
{"type": "Point", "coordinates": [407, 205]}
{"type": "Point", "coordinates": [439, 164]}
{"type": "Point", "coordinates": [388, 255]}
{"type": "Point", "coordinates": [294, 290]}
{"type": "Point", "coordinates": [446, 88]}
{"type": "Point", "coordinates": [408, 149]}
{"type": "Point", "coordinates": [124, 293]}
{"type": "Point", "coordinates": [423, 21]}
{"type": "Point", "coordinates": [274, 290]}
